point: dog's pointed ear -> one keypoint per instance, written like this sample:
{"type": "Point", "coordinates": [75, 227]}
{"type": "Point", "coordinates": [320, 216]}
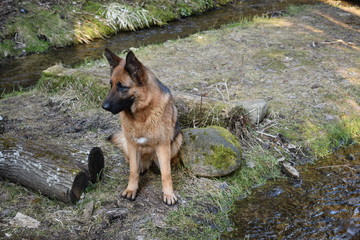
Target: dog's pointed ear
{"type": "Point", "coordinates": [112, 58]}
{"type": "Point", "coordinates": [135, 68]}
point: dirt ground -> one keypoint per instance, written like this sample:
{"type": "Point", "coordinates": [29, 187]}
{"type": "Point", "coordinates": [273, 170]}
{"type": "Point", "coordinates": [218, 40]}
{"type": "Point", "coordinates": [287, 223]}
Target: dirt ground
{"type": "Point", "coordinates": [307, 66]}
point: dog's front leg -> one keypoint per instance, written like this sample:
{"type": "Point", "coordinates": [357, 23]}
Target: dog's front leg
{"type": "Point", "coordinates": [163, 153]}
{"type": "Point", "coordinates": [133, 184]}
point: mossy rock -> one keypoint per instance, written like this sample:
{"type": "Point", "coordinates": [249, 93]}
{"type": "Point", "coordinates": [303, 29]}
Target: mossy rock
{"type": "Point", "coordinates": [211, 151]}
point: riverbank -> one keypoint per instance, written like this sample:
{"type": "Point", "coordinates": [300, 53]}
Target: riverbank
{"type": "Point", "coordinates": [305, 63]}
{"type": "Point", "coordinates": [35, 26]}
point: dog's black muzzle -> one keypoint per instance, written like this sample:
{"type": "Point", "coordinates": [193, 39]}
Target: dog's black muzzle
{"type": "Point", "coordinates": [118, 106]}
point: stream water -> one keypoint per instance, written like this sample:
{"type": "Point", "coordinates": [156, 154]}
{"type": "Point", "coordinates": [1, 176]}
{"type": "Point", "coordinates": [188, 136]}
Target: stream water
{"type": "Point", "coordinates": [25, 71]}
{"type": "Point", "coordinates": [324, 204]}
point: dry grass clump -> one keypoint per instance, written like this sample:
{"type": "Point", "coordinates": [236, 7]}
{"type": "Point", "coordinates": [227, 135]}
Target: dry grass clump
{"type": "Point", "coordinates": [124, 17]}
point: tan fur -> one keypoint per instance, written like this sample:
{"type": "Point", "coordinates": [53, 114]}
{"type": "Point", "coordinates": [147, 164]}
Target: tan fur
{"type": "Point", "coordinates": [148, 127]}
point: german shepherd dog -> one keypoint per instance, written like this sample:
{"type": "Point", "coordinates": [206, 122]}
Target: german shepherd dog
{"type": "Point", "coordinates": [150, 130]}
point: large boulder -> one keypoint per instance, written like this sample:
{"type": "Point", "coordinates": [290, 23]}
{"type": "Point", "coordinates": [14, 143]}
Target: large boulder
{"type": "Point", "coordinates": [211, 151]}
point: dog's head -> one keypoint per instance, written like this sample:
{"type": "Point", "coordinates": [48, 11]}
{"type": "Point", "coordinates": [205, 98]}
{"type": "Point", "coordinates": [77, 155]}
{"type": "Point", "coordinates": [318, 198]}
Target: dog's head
{"type": "Point", "coordinates": [127, 75]}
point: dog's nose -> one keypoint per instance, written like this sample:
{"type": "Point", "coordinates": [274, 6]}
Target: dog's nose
{"type": "Point", "coordinates": [106, 106]}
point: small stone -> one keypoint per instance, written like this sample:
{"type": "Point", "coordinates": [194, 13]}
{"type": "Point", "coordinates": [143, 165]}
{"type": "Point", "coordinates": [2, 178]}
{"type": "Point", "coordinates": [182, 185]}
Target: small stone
{"type": "Point", "coordinates": [222, 185]}
{"type": "Point", "coordinates": [329, 117]}
{"type": "Point", "coordinates": [116, 213]}
{"type": "Point", "coordinates": [257, 109]}
{"type": "Point", "coordinates": [88, 210]}
{"type": "Point", "coordinates": [21, 220]}
{"type": "Point", "coordinates": [289, 170]}
{"type": "Point", "coordinates": [315, 86]}
{"type": "Point", "coordinates": [291, 146]}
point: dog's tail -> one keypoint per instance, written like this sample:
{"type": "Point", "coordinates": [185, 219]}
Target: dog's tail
{"type": "Point", "coordinates": [118, 139]}
{"type": "Point", "coordinates": [175, 147]}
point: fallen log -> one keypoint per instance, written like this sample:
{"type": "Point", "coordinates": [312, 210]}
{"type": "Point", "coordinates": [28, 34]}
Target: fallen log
{"type": "Point", "coordinates": [46, 168]}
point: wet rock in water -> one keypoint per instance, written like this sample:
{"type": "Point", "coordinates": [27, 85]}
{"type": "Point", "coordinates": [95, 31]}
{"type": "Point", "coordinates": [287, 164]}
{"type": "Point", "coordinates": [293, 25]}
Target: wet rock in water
{"type": "Point", "coordinates": [289, 170]}
{"type": "Point", "coordinates": [350, 157]}
{"type": "Point", "coordinates": [354, 201]}
{"type": "Point", "coordinates": [275, 192]}
{"type": "Point", "coordinates": [211, 151]}
{"type": "Point", "coordinates": [2, 125]}
{"type": "Point", "coordinates": [21, 220]}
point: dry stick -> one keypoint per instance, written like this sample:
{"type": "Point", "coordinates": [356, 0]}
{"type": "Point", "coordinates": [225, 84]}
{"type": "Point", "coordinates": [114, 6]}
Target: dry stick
{"type": "Point", "coordinates": [347, 166]}
{"type": "Point", "coordinates": [266, 134]}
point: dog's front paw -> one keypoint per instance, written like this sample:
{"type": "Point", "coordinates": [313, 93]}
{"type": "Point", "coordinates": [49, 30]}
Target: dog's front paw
{"type": "Point", "coordinates": [170, 199]}
{"type": "Point", "coordinates": [129, 194]}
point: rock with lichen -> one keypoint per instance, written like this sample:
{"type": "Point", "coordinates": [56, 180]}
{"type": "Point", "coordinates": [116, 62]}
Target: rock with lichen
{"type": "Point", "coordinates": [211, 151]}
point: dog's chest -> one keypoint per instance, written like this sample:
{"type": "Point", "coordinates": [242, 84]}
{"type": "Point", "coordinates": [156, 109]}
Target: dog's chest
{"type": "Point", "coordinates": [141, 140]}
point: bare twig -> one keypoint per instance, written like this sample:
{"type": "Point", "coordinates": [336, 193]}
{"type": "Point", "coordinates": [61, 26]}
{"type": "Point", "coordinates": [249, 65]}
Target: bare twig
{"type": "Point", "coordinates": [332, 166]}
{"type": "Point", "coordinates": [267, 134]}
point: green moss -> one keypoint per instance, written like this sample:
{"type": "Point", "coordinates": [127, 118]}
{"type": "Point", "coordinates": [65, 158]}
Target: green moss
{"type": "Point", "coordinates": [228, 136]}
{"type": "Point", "coordinates": [165, 13]}
{"type": "Point", "coordinates": [89, 91]}
{"type": "Point", "coordinates": [221, 158]}
{"type": "Point", "coordinates": [92, 7]}
{"type": "Point", "coordinates": [38, 31]}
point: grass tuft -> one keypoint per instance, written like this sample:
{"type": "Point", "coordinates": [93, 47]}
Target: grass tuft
{"type": "Point", "coordinates": [324, 139]}
{"type": "Point", "coordinates": [124, 17]}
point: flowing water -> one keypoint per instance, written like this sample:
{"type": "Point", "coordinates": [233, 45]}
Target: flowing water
{"type": "Point", "coordinates": [325, 204]}
{"type": "Point", "coordinates": [25, 71]}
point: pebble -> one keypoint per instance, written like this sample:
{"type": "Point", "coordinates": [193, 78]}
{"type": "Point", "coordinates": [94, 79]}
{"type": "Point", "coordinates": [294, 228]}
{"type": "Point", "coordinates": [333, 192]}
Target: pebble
{"type": "Point", "coordinates": [116, 213]}
{"type": "Point", "coordinates": [88, 210]}
{"type": "Point", "coordinates": [22, 220]}
{"type": "Point", "coordinates": [289, 170]}
{"type": "Point", "coordinates": [350, 157]}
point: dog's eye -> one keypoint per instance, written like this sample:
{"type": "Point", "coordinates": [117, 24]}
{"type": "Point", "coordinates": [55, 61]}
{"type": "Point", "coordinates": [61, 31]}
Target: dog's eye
{"type": "Point", "coordinates": [122, 88]}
